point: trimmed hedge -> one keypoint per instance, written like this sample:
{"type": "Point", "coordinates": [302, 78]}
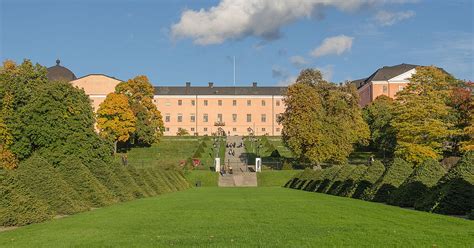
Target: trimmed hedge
{"type": "Point", "coordinates": [327, 178]}
{"type": "Point", "coordinates": [40, 178]}
{"type": "Point", "coordinates": [103, 172]}
{"type": "Point", "coordinates": [141, 182]}
{"type": "Point", "coordinates": [339, 179]}
{"type": "Point", "coordinates": [393, 177]}
{"type": "Point", "coordinates": [18, 206]}
{"type": "Point", "coordinates": [371, 175]}
{"type": "Point", "coordinates": [126, 179]}
{"type": "Point", "coordinates": [454, 193]}
{"type": "Point", "coordinates": [87, 186]}
{"type": "Point", "coordinates": [349, 186]}
{"type": "Point", "coordinates": [418, 184]}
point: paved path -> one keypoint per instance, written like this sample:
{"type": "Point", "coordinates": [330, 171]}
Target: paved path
{"type": "Point", "coordinates": [241, 177]}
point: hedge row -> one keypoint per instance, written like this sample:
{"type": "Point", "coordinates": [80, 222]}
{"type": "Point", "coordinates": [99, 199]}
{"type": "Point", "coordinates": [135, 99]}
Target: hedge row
{"type": "Point", "coordinates": [39, 190]}
{"type": "Point", "coordinates": [427, 187]}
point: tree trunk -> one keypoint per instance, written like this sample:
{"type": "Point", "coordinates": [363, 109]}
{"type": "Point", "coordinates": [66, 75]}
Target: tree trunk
{"type": "Point", "coordinates": [115, 147]}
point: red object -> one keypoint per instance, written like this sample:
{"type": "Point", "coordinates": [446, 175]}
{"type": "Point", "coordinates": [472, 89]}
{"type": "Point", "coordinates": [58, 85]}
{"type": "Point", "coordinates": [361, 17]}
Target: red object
{"type": "Point", "coordinates": [196, 162]}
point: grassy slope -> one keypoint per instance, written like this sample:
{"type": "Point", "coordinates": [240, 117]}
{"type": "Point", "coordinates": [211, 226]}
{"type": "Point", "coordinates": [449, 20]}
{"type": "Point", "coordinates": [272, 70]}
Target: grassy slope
{"type": "Point", "coordinates": [169, 151]}
{"type": "Point", "coordinates": [244, 217]}
{"type": "Point", "coordinates": [207, 178]}
{"type": "Point", "coordinates": [275, 178]}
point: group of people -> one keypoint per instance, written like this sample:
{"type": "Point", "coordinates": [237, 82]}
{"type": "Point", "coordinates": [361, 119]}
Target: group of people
{"type": "Point", "coordinates": [233, 145]}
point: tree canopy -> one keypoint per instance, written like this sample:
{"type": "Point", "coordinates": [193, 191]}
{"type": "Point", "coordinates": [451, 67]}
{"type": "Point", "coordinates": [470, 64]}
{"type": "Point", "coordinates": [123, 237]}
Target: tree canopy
{"type": "Point", "coordinates": [322, 121]}
{"type": "Point", "coordinates": [422, 115]}
{"type": "Point", "coordinates": [379, 115]}
{"type": "Point", "coordinates": [149, 123]}
{"type": "Point", "coordinates": [115, 119]}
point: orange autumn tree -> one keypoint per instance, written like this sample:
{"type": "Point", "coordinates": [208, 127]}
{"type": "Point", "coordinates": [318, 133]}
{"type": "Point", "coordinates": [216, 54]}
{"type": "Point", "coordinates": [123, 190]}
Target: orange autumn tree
{"type": "Point", "coordinates": [115, 118]}
{"type": "Point", "coordinates": [149, 125]}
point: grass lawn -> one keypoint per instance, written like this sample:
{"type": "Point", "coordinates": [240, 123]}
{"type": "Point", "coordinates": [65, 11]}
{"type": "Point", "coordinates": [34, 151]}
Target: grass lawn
{"type": "Point", "coordinates": [169, 151]}
{"type": "Point", "coordinates": [246, 217]}
{"type": "Point", "coordinates": [206, 177]}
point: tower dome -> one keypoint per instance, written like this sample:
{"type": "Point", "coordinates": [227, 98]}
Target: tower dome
{"type": "Point", "coordinates": [60, 73]}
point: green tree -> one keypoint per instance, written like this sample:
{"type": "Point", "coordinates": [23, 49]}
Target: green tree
{"type": "Point", "coordinates": [422, 116]}
{"type": "Point", "coordinates": [379, 115]}
{"type": "Point", "coordinates": [322, 121]}
{"type": "Point", "coordinates": [59, 120]}
{"type": "Point", "coordinates": [468, 144]}
{"type": "Point", "coordinates": [149, 123]}
{"type": "Point", "coordinates": [115, 119]}
{"type": "Point", "coordinates": [182, 132]}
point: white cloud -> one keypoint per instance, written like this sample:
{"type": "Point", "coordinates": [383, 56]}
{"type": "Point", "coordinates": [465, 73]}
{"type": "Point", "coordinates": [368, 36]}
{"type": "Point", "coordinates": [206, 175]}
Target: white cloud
{"type": "Point", "coordinates": [298, 61]}
{"type": "Point", "coordinates": [333, 45]}
{"type": "Point", "coordinates": [235, 19]}
{"type": "Point", "coordinates": [386, 18]}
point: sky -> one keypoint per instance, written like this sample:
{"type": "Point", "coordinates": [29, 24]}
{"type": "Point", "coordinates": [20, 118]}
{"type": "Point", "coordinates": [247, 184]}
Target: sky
{"type": "Point", "coordinates": [178, 41]}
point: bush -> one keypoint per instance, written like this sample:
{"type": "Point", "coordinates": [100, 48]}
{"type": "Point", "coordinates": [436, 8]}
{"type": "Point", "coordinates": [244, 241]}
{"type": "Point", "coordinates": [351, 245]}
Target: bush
{"type": "Point", "coordinates": [126, 179]}
{"type": "Point", "coordinates": [327, 178]}
{"type": "Point", "coordinates": [39, 177]}
{"type": "Point", "coordinates": [349, 185]}
{"type": "Point", "coordinates": [150, 180]}
{"type": "Point", "coordinates": [86, 185]}
{"type": "Point", "coordinates": [142, 184]}
{"type": "Point", "coordinates": [371, 175]}
{"type": "Point", "coordinates": [18, 206]}
{"type": "Point", "coordinates": [454, 193]}
{"type": "Point", "coordinates": [393, 177]}
{"type": "Point", "coordinates": [313, 179]}
{"type": "Point", "coordinates": [471, 215]}
{"type": "Point", "coordinates": [418, 184]}
{"type": "Point", "coordinates": [340, 178]}
{"type": "Point", "coordinates": [103, 172]}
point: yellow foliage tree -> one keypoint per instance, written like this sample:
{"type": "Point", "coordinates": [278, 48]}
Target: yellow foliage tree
{"type": "Point", "coordinates": [115, 118]}
{"type": "Point", "coordinates": [422, 115]}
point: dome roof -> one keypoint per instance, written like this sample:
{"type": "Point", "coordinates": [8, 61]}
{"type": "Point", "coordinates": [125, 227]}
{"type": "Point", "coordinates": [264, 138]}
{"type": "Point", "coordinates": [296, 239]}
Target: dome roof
{"type": "Point", "coordinates": [60, 73]}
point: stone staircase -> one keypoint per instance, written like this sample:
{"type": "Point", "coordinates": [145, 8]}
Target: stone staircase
{"type": "Point", "coordinates": [246, 179]}
{"type": "Point", "coordinates": [240, 177]}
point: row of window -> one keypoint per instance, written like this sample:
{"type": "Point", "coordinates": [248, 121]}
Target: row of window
{"type": "Point", "coordinates": [205, 118]}
{"type": "Point", "coordinates": [167, 129]}
{"type": "Point", "coordinates": [219, 102]}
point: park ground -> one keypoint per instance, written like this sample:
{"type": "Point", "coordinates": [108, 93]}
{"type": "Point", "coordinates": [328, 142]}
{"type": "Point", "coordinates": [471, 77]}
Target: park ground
{"type": "Point", "coordinates": [246, 217]}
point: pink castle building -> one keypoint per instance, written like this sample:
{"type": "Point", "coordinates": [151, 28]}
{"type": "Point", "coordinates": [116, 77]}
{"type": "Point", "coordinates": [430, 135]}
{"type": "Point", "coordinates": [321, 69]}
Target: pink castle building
{"type": "Point", "coordinates": [387, 80]}
{"type": "Point", "coordinates": [201, 110]}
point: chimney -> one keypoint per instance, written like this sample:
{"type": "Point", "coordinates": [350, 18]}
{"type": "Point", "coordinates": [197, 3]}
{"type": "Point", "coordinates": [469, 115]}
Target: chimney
{"type": "Point", "coordinates": [254, 84]}
{"type": "Point", "coordinates": [211, 84]}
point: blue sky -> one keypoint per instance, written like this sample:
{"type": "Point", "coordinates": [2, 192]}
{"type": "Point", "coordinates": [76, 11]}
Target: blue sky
{"type": "Point", "coordinates": [177, 41]}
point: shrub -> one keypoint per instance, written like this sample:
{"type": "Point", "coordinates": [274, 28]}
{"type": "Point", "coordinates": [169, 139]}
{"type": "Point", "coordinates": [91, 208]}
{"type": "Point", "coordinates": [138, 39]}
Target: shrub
{"type": "Point", "coordinates": [454, 193]}
{"type": "Point", "coordinates": [150, 180]}
{"type": "Point", "coordinates": [340, 178]}
{"type": "Point", "coordinates": [287, 165]}
{"type": "Point", "coordinates": [18, 206]}
{"type": "Point", "coordinates": [327, 178]}
{"type": "Point", "coordinates": [371, 175]}
{"type": "Point", "coordinates": [137, 176]}
{"type": "Point", "coordinates": [103, 172]}
{"type": "Point", "coordinates": [126, 179]}
{"type": "Point", "coordinates": [424, 177]}
{"type": "Point", "coordinates": [40, 178]}
{"type": "Point", "coordinates": [393, 177]}
{"type": "Point", "coordinates": [349, 185]}
{"type": "Point", "coordinates": [313, 178]}
{"type": "Point", "coordinates": [471, 215]}
{"type": "Point", "coordinates": [86, 185]}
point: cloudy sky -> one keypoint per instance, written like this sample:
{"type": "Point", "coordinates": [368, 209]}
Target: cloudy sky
{"type": "Point", "coordinates": [272, 40]}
